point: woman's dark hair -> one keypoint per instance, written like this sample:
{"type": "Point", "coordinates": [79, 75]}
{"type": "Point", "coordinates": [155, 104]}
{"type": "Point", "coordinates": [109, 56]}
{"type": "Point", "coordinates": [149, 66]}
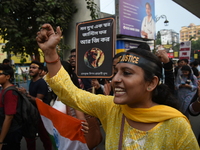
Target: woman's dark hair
{"type": "Point", "coordinates": [144, 46]}
{"type": "Point", "coordinates": [187, 68]}
{"type": "Point", "coordinates": [117, 55]}
{"type": "Point", "coordinates": [161, 93]}
{"type": "Point", "coordinates": [7, 70]}
{"type": "Point", "coordinates": [71, 73]}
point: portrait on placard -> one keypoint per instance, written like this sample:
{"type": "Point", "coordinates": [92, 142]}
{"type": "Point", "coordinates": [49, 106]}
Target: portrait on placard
{"type": "Point", "coordinates": [94, 58]}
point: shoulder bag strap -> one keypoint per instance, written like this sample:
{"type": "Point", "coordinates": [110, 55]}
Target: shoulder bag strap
{"type": "Point", "coordinates": [121, 133]}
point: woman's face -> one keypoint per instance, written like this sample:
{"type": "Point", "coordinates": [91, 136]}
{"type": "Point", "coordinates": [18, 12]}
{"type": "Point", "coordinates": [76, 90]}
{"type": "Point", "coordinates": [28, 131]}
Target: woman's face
{"type": "Point", "coordinates": [148, 10]}
{"type": "Point", "coordinates": [129, 86]}
{"type": "Point", "coordinates": [185, 73]}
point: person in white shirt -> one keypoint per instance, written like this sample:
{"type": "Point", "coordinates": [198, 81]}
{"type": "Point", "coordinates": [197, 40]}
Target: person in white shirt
{"type": "Point", "coordinates": [148, 24]}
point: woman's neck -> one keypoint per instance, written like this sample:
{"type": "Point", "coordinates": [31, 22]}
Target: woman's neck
{"type": "Point", "coordinates": [144, 102]}
{"type": "Point", "coordinates": [141, 126]}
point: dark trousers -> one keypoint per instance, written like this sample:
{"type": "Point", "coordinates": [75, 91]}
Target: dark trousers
{"type": "Point", "coordinates": [44, 136]}
{"type": "Point", "coordinates": [12, 140]}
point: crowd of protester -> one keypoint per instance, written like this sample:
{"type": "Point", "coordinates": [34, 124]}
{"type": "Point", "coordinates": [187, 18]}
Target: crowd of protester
{"type": "Point", "coordinates": [138, 88]}
{"type": "Point", "coordinates": [165, 102]}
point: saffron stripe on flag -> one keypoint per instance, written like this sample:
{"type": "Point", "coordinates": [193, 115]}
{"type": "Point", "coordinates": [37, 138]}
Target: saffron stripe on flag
{"type": "Point", "coordinates": [63, 129]}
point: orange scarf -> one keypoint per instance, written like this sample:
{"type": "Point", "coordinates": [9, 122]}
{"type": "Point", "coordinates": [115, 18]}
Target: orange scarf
{"type": "Point", "coordinates": [158, 113]}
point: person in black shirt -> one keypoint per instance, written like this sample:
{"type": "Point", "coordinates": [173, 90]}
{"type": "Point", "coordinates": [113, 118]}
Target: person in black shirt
{"type": "Point", "coordinates": [38, 89]}
{"type": "Point", "coordinates": [194, 66]}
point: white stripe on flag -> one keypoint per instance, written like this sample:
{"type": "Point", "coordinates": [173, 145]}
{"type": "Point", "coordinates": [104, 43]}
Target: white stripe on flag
{"type": "Point", "coordinates": [62, 143]}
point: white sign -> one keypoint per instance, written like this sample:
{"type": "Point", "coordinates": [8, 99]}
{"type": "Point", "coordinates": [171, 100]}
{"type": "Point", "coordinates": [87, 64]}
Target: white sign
{"type": "Point", "coordinates": [185, 50]}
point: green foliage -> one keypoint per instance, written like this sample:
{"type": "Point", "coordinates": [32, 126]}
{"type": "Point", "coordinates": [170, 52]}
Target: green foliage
{"type": "Point", "coordinates": [94, 9]}
{"type": "Point", "coordinates": [21, 19]}
{"type": "Point", "coordinates": [195, 45]}
{"type": "Point", "coordinates": [176, 47]}
{"type": "Point", "coordinates": [61, 48]}
{"type": "Point", "coordinates": [23, 59]}
{"type": "Point", "coordinates": [158, 38]}
{"type": "Point", "coordinates": [158, 41]}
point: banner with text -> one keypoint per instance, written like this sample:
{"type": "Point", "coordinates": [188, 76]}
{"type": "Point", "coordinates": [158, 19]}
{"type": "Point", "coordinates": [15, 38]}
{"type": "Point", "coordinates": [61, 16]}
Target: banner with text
{"type": "Point", "coordinates": [95, 43]}
{"type": "Point", "coordinates": [137, 18]}
{"type": "Point", "coordinates": [185, 50]}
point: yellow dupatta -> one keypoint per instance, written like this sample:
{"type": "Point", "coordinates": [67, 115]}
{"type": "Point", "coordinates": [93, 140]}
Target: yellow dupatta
{"type": "Point", "coordinates": [158, 113]}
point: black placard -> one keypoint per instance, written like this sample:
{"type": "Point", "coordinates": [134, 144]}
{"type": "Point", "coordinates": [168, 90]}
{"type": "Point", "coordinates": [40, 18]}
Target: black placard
{"type": "Point", "coordinates": [95, 44]}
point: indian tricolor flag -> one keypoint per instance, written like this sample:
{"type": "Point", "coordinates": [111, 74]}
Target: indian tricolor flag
{"type": "Point", "coordinates": [64, 130]}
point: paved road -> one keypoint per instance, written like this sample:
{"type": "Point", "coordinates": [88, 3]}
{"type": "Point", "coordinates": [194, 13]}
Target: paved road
{"type": "Point", "coordinates": [39, 145]}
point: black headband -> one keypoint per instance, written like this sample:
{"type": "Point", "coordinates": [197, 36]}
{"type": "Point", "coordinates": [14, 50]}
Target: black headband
{"type": "Point", "coordinates": [137, 60]}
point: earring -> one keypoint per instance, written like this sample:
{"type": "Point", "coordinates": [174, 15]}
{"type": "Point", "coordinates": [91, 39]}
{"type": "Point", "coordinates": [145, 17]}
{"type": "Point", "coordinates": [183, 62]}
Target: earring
{"type": "Point", "coordinates": [148, 89]}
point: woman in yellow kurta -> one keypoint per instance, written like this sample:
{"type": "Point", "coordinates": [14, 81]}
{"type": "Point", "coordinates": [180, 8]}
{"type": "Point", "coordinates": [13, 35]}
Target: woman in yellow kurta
{"type": "Point", "coordinates": [137, 117]}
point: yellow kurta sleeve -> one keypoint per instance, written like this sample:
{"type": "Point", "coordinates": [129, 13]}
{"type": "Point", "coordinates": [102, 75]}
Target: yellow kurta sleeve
{"type": "Point", "coordinates": [68, 93]}
{"type": "Point", "coordinates": [173, 134]}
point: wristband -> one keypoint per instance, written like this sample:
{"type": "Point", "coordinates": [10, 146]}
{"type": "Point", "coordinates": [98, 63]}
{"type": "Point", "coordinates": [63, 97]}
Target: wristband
{"type": "Point", "coordinates": [52, 62]}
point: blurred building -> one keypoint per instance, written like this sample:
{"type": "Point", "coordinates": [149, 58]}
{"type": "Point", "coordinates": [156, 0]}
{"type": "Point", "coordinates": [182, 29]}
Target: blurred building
{"type": "Point", "coordinates": [188, 32]}
{"type": "Point", "coordinates": [169, 37]}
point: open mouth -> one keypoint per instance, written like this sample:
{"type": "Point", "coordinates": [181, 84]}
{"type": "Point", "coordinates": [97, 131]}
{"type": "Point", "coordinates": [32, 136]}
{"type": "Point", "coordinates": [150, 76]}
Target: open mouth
{"type": "Point", "coordinates": [119, 91]}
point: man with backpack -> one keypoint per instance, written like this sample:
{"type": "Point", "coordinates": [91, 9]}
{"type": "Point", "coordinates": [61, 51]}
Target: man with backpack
{"type": "Point", "coordinates": [10, 118]}
{"type": "Point", "coordinates": [38, 89]}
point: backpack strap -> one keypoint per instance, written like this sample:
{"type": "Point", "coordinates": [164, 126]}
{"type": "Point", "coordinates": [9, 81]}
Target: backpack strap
{"type": "Point", "coordinates": [13, 88]}
{"type": "Point", "coordinates": [7, 89]}
{"type": "Point", "coordinates": [20, 94]}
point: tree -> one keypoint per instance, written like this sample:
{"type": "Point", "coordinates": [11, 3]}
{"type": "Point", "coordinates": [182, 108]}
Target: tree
{"type": "Point", "coordinates": [195, 46]}
{"type": "Point", "coordinates": [21, 19]}
{"type": "Point", "coordinates": [94, 9]}
{"type": "Point", "coordinates": [158, 38]}
{"type": "Point", "coordinates": [176, 47]}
